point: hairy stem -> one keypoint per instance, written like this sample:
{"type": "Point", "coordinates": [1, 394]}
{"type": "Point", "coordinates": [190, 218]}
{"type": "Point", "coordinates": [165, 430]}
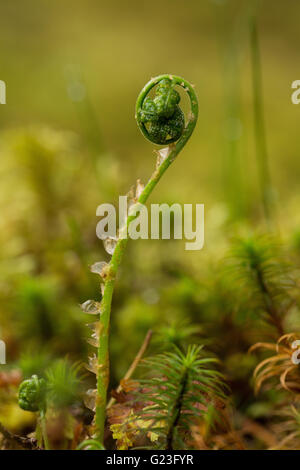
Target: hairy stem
{"type": "Point", "coordinates": [174, 149]}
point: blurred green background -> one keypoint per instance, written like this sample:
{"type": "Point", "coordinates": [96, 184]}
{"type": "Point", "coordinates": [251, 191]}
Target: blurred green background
{"type": "Point", "coordinates": [69, 142]}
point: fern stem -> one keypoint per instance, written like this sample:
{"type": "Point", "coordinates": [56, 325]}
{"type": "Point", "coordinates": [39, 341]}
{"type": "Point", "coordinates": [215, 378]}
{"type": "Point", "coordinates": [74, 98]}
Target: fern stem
{"type": "Point", "coordinates": [174, 149]}
{"type": "Point", "coordinates": [44, 430]}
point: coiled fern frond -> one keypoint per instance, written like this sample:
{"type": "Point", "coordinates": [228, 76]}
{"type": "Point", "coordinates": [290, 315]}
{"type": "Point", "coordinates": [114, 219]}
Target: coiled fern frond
{"type": "Point", "coordinates": [161, 119]}
{"type": "Point", "coordinates": [32, 394]}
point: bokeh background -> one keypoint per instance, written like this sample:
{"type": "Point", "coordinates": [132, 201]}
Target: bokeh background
{"type": "Point", "coordinates": [69, 142]}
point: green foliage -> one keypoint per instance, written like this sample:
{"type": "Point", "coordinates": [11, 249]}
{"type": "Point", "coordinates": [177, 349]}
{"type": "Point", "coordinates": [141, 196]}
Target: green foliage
{"type": "Point", "coordinates": [179, 391]}
{"type": "Point", "coordinates": [31, 363]}
{"type": "Point", "coordinates": [42, 319]}
{"type": "Point", "coordinates": [36, 314]}
{"type": "Point", "coordinates": [264, 279]}
{"type": "Point", "coordinates": [59, 388]}
{"type": "Point", "coordinates": [177, 333]}
{"type": "Point", "coordinates": [63, 384]}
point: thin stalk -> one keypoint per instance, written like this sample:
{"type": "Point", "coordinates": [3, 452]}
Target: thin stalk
{"type": "Point", "coordinates": [44, 430]}
{"type": "Point", "coordinates": [174, 149]}
{"type": "Point", "coordinates": [259, 122]}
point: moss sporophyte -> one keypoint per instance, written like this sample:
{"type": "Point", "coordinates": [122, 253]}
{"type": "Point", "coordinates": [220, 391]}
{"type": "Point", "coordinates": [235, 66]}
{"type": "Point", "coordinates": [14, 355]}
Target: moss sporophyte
{"type": "Point", "coordinates": [162, 122]}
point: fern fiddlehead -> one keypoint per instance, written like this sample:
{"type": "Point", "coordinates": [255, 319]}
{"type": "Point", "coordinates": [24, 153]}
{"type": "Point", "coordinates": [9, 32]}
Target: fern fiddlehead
{"type": "Point", "coordinates": [161, 121]}
{"type": "Point", "coordinates": [32, 394]}
{"type": "Point", "coordinates": [32, 397]}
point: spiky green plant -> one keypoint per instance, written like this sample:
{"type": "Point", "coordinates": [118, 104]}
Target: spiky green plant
{"type": "Point", "coordinates": [31, 363]}
{"type": "Point", "coordinates": [179, 390]}
{"type": "Point", "coordinates": [177, 333]}
{"type": "Point", "coordinates": [289, 429]}
{"type": "Point", "coordinates": [264, 278]}
{"type": "Point", "coordinates": [63, 383]}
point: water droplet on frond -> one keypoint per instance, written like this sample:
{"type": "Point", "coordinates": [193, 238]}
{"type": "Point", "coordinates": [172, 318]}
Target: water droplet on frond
{"type": "Point", "coordinates": [93, 326]}
{"type": "Point", "coordinates": [89, 399]}
{"type": "Point", "coordinates": [91, 307]}
{"type": "Point", "coordinates": [101, 268]}
{"type": "Point", "coordinates": [110, 245]}
{"type": "Point", "coordinates": [92, 364]}
{"type": "Point", "coordinates": [93, 340]}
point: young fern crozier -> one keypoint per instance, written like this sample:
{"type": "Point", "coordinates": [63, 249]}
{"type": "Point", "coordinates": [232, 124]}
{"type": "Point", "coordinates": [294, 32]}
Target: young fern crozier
{"type": "Point", "coordinates": [51, 397]}
{"type": "Point", "coordinates": [161, 121]}
{"type": "Point", "coordinates": [32, 397]}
